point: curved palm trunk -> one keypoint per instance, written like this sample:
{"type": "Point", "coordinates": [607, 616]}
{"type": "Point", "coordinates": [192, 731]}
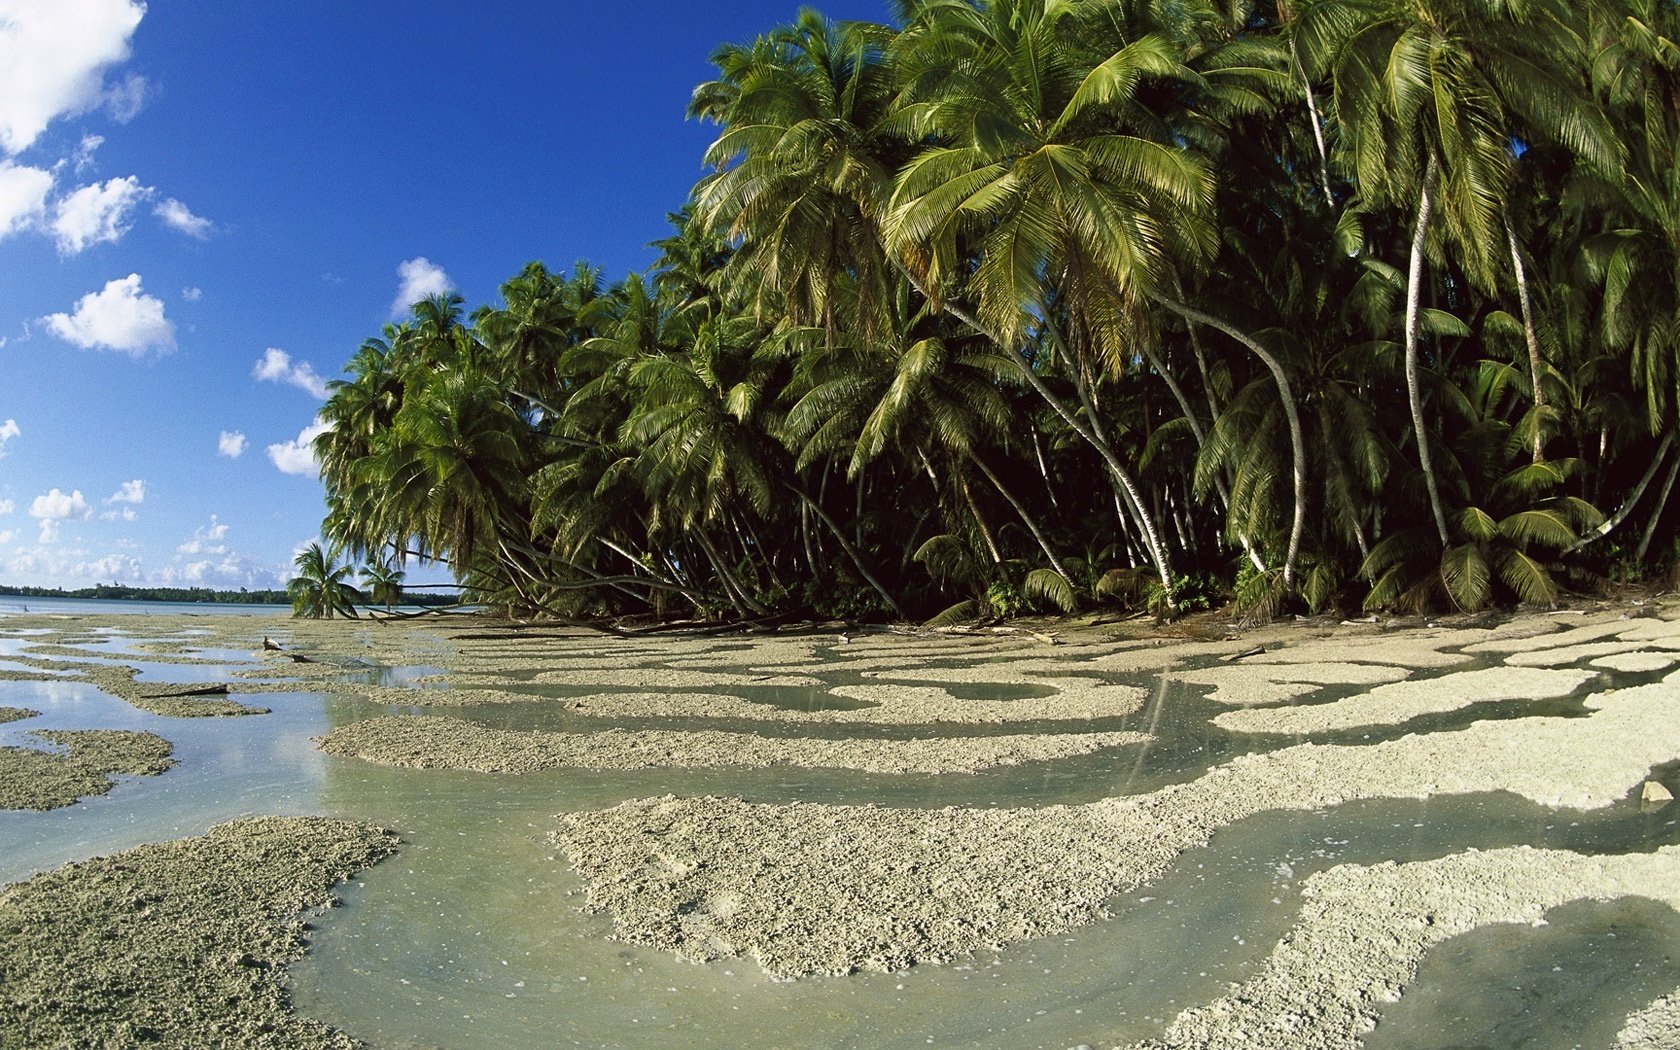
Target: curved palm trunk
{"type": "Point", "coordinates": [1026, 519]}
{"type": "Point", "coordinates": [1297, 441]}
{"type": "Point", "coordinates": [1534, 357]}
{"type": "Point", "coordinates": [851, 552]}
{"type": "Point", "coordinates": [1158, 550]}
{"type": "Point", "coordinates": [1414, 396]}
{"type": "Point", "coordinates": [1627, 506]}
{"type": "Point", "coordinates": [1656, 515]}
{"type": "Point", "coordinates": [1201, 437]}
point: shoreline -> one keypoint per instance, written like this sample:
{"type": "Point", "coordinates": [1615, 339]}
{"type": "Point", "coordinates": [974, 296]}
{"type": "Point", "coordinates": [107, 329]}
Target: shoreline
{"type": "Point", "coordinates": [818, 888]}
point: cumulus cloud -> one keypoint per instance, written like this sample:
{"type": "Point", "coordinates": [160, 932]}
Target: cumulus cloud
{"type": "Point", "coordinates": [206, 540]}
{"type": "Point", "coordinates": [420, 278]}
{"type": "Point", "coordinates": [6, 507]}
{"type": "Point", "coordinates": [130, 492]}
{"type": "Point", "coordinates": [193, 294]}
{"type": "Point", "coordinates": [178, 216]}
{"type": "Point", "coordinates": [120, 317]}
{"type": "Point", "coordinates": [275, 366]}
{"type": "Point", "coordinates": [298, 455]}
{"type": "Point", "coordinates": [59, 506]}
{"type": "Point", "coordinates": [7, 536]}
{"type": "Point", "coordinates": [53, 58]}
{"type": "Point", "coordinates": [23, 196]}
{"type": "Point", "coordinates": [96, 214]}
{"type": "Point", "coordinates": [231, 444]}
{"type": "Point", "coordinates": [8, 431]}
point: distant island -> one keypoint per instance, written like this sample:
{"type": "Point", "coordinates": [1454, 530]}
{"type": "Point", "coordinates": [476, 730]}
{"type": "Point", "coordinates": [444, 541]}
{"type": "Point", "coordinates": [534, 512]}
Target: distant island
{"type": "Point", "coordinates": [119, 593]}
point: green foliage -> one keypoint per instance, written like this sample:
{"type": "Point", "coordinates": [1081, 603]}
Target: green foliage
{"type": "Point", "coordinates": [972, 311]}
{"type": "Point", "coordinates": [320, 591]}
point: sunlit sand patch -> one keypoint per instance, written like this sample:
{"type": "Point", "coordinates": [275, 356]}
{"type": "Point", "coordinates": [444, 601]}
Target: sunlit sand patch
{"type": "Point", "coordinates": [1638, 662]}
{"type": "Point", "coordinates": [431, 742]}
{"type": "Point", "coordinates": [831, 889]}
{"type": "Point", "coordinates": [1400, 702]}
{"type": "Point", "coordinates": [1657, 1027]}
{"type": "Point", "coordinates": [663, 677]}
{"type": "Point", "coordinates": [1643, 629]}
{"type": "Point", "coordinates": [1259, 682]}
{"type": "Point", "coordinates": [1363, 931]}
{"type": "Point", "coordinates": [1075, 698]}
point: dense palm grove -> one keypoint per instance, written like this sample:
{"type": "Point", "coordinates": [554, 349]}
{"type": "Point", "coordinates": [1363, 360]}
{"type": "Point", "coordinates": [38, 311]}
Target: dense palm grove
{"type": "Point", "coordinates": [1028, 304]}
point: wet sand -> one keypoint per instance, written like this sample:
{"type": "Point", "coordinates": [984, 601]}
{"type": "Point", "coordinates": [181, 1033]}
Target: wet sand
{"type": "Point", "coordinates": [810, 889]}
{"type": "Point", "coordinates": [183, 943]}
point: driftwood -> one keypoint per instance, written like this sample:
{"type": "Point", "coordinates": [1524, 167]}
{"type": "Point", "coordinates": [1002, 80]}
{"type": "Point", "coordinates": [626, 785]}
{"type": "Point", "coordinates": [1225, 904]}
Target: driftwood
{"type": "Point", "coordinates": [1245, 654]}
{"type": "Point", "coordinates": [218, 689]}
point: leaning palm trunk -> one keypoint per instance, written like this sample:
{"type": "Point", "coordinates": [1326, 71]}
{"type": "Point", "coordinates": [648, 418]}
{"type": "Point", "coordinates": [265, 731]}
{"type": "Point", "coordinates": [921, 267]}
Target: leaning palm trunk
{"type": "Point", "coordinates": [1656, 515]}
{"type": "Point", "coordinates": [1117, 471]}
{"type": "Point", "coordinates": [1297, 442]}
{"type": "Point", "coordinates": [1534, 359]}
{"type": "Point", "coordinates": [851, 551]}
{"type": "Point", "coordinates": [1627, 506]}
{"type": "Point", "coordinates": [1414, 282]}
{"type": "Point", "coordinates": [1026, 518]}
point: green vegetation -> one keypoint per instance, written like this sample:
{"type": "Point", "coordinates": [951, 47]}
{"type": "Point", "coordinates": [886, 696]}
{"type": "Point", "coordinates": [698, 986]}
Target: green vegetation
{"type": "Point", "coordinates": [1040, 303]}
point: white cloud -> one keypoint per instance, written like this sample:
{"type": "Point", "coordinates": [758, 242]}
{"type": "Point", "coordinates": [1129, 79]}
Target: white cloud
{"type": "Point", "coordinates": [275, 366]}
{"type": "Point", "coordinates": [23, 195]}
{"type": "Point", "coordinates": [206, 539]}
{"type": "Point", "coordinates": [217, 530]}
{"type": "Point", "coordinates": [193, 294]}
{"type": "Point", "coordinates": [125, 514]}
{"type": "Point", "coordinates": [420, 278]}
{"type": "Point", "coordinates": [298, 456]}
{"type": "Point", "coordinates": [59, 506]}
{"type": "Point", "coordinates": [231, 444]}
{"type": "Point", "coordinates": [7, 506]}
{"type": "Point", "coordinates": [119, 318]}
{"type": "Point", "coordinates": [52, 62]}
{"type": "Point", "coordinates": [112, 567]}
{"type": "Point", "coordinates": [124, 100]}
{"type": "Point", "coordinates": [96, 213]}
{"type": "Point", "coordinates": [130, 492]}
{"type": "Point", "coordinates": [8, 536]}
{"type": "Point", "coordinates": [178, 216]}
{"type": "Point", "coordinates": [8, 431]}
{"type": "Point", "coordinates": [83, 158]}
{"type": "Point", "coordinates": [49, 533]}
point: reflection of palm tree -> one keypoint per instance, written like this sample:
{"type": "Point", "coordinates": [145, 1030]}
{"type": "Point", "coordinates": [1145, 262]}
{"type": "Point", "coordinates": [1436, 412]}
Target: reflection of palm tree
{"type": "Point", "coordinates": [319, 590]}
{"type": "Point", "coordinates": [384, 583]}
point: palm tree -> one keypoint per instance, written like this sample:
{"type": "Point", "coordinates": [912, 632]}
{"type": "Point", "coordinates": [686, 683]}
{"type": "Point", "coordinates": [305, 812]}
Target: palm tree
{"type": "Point", "coordinates": [1428, 96]}
{"type": "Point", "coordinates": [383, 582]}
{"type": "Point", "coordinates": [320, 590]}
{"type": "Point", "coordinates": [1051, 196]}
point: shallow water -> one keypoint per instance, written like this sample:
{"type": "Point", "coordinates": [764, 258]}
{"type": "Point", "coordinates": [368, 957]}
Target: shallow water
{"type": "Point", "coordinates": [472, 935]}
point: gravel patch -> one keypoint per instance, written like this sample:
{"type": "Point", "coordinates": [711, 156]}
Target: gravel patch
{"type": "Point", "coordinates": [1400, 702]}
{"type": "Point", "coordinates": [83, 765]}
{"type": "Point", "coordinates": [814, 889]}
{"type": "Point", "coordinates": [432, 742]}
{"type": "Point", "coordinates": [181, 943]}
{"type": "Point", "coordinates": [1363, 931]}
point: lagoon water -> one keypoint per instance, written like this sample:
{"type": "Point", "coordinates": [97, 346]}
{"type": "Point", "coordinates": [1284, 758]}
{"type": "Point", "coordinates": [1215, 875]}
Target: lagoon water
{"type": "Point", "coordinates": [473, 935]}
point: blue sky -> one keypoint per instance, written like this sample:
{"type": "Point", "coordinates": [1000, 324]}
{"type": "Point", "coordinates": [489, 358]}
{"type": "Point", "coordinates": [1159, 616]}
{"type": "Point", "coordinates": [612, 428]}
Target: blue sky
{"type": "Point", "coordinates": [205, 207]}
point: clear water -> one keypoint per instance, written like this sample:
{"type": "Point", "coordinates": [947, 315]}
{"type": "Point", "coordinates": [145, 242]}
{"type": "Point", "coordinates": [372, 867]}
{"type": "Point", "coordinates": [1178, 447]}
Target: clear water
{"type": "Point", "coordinates": [472, 935]}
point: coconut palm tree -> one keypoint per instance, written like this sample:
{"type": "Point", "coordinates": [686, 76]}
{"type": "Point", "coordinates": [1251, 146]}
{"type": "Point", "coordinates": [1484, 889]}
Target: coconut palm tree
{"type": "Point", "coordinates": [383, 582]}
{"type": "Point", "coordinates": [319, 590]}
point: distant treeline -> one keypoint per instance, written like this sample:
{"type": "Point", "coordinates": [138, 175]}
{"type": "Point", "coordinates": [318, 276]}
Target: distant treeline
{"type": "Point", "coordinates": [113, 592]}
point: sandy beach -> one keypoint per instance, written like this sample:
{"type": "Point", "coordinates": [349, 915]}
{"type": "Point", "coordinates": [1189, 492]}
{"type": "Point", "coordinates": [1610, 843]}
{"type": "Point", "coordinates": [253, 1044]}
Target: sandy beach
{"type": "Point", "coordinates": [1571, 713]}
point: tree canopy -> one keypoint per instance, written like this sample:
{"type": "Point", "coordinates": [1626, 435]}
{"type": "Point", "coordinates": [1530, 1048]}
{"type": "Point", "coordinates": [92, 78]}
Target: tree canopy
{"type": "Point", "coordinates": [1050, 303]}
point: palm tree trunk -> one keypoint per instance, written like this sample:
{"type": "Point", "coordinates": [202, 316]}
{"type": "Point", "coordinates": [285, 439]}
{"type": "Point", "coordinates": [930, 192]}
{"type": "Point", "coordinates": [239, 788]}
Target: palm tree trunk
{"type": "Point", "coordinates": [1317, 124]}
{"type": "Point", "coordinates": [738, 596]}
{"type": "Point", "coordinates": [1291, 411]}
{"type": "Point", "coordinates": [980, 521]}
{"type": "Point", "coordinates": [1414, 288]}
{"type": "Point", "coordinates": [1163, 565]}
{"type": "Point", "coordinates": [1656, 515]}
{"type": "Point", "coordinates": [851, 552]}
{"type": "Point", "coordinates": [1534, 359]}
{"type": "Point", "coordinates": [1026, 518]}
{"type": "Point", "coordinates": [1627, 506]}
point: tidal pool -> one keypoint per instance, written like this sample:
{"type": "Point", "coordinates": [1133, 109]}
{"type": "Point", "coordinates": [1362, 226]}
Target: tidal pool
{"type": "Point", "coordinates": [475, 934]}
